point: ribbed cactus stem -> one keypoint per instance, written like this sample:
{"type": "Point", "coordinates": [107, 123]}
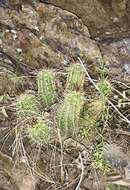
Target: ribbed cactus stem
{"type": "Point", "coordinates": [75, 78]}
{"type": "Point", "coordinates": [69, 112]}
{"type": "Point", "coordinates": [46, 87]}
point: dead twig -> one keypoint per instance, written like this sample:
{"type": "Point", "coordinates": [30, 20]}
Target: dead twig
{"type": "Point", "coordinates": [61, 160]}
{"type": "Point", "coordinates": [119, 131]}
{"type": "Point", "coordinates": [82, 172]}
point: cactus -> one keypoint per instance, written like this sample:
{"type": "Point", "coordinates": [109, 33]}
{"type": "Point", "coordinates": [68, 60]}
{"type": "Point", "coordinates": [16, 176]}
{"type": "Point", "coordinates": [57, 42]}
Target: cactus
{"type": "Point", "coordinates": [69, 112]}
{"type": "Point", "coordinates": [46, 87]}
{"type": "Point", "coordinates": [40, 132]}
{"type": "Point", "coordinates": [95, 108]}
{"type": "Point", "coordinates": [89, 118]}
{"type": "Point", "coordinates": [75, 78]}
{"type": "Point", "coordinates": [27, 106]}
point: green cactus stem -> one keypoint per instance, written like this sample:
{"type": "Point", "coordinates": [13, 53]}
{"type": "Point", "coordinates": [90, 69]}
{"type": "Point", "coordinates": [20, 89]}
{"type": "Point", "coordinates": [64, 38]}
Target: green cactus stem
{"type": "Point", "coordinates": [75, 78]}
{"type": "Point", "coordinates": [46, 87]}
{"type": "Point", "coordinates": [69, 112]}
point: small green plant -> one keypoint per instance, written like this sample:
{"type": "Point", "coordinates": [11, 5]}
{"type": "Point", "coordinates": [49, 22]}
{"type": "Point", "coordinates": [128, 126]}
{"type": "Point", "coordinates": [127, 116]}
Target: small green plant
{"type": "Point", "coordinates": [14, 79]}
{"type": "Point", "coordinates": [104, 87]}
{"type": "Point", "coordinates": [99, 160]}
{"type": "Point", "coordinates": [40, 132]}
{"type": "Point", "coordinates": [105, 90]}
{"type": "Point", "coordinates": [116, 187]}
{"type": "Point", "coordinates": [10, 83]}
{"type": "Point", "coordinates": [14, 82]}
{"type": "Point", "coordinates": [27, 106]}
{"type": "Point", "coordinates": [69, 112]}
{"type": "Point", "coordinates": [101, 69]}
{"type": "Point", "coordinates": [4, 98]}
{"type": "Point", "coordinates": [46, 87]}
{"type": "Point", "coordinates": [75, 78]}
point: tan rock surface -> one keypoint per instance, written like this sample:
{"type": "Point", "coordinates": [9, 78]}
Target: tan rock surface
{"type": "Point", "coordinates": [103, 17]}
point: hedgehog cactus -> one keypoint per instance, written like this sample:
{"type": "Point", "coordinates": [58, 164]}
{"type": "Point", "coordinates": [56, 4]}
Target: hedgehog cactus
{"type": "Point", "coordinates": [75, 78]}
{"type": "Point", "coordinates": [89, 118]}
{"type": "Point", "coordinates": [88, 125]}
{"type": "Point", "coordinates": [27, 106]}
{"type": "Point", "coordinates": [69, 112]}
{"type": "Point", "coordinates": [46, 87]}
{"type": "Point", "coordinates": [95, 108]}
{"type": "Point", "coordinates": [40, 132]}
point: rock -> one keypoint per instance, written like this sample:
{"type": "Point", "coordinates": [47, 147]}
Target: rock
{"type": "Point", "coordinates": [118, 159]}
{"type": "Point", "coordinates": [103, 17]}
{"type": "Point", "coordinates": [17, 177]}
{"type": "Point", "coordinates": [44, 36]}
{"type": "Point", "coordinates": [37, 35]}
{"type": "Point", "coordinates": [116, 54]}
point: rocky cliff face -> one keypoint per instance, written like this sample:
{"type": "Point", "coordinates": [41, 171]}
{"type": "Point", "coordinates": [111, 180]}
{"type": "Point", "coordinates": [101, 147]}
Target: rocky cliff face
{"type": "Point", "coordinates": [37, 35]}
{"type": "Point", "coordinates": [104, 18]}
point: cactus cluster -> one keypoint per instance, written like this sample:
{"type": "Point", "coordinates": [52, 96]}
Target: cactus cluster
{"type": "Point", "coordinates": [69, 117]}
{"type": "Point", "coordinates": [69, 112]}
{"type": "Point", "coordinates": [75, 78]}
{"type": "Point", "coordinates": [46, 87]}
{"type": "Point", "coordinates": [27, 106]}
